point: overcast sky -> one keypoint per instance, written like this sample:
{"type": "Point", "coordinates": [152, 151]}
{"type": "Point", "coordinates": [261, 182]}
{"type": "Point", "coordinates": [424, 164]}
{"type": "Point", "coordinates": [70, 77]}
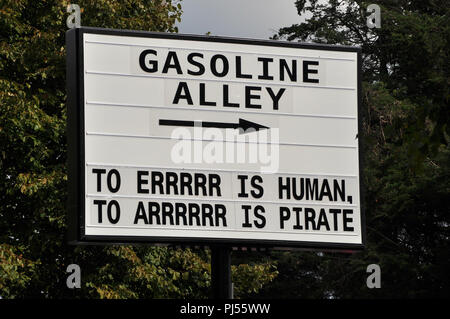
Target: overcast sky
{"type": "Point", "coordinates": [237, 18]}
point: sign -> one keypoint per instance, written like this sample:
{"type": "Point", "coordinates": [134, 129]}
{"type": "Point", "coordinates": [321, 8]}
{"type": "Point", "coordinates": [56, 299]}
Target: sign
{"type": "Point", "coordinates": [191, 139]}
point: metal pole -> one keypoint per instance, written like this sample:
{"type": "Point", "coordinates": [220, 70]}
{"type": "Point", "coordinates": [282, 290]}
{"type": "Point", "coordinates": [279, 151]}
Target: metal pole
{"type": "Point", "coordinates": [221, 272]}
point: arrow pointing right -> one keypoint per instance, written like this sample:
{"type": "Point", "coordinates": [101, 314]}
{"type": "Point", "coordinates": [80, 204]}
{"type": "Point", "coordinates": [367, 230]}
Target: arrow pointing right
{"type": "Point", "coordinates": [242, 125]}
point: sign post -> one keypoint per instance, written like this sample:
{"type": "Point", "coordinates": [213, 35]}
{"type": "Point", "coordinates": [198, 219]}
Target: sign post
{"type": "Point", "coordinates": [221, 272]}
{"type": "Point", "coordinates": [213, 141]}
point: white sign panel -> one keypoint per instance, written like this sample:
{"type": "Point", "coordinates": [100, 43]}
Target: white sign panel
{"type": "Point", "coordinates": [201, 139]}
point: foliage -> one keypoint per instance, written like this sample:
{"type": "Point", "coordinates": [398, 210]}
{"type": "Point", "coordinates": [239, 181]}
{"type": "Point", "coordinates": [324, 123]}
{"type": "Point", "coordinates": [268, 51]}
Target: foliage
{"type": "Point", "coordinates": [405, 136]}
{"type": "Point", "coordinates": [408, 54]}
{"type": "Point", "coordinates": [154, 272]}
{"type": "Point", "coordinates": [14, 270]}
{"type": "Point", "coordinates": [250, 278]}
{"type": "Point", "coordinates": [33, 251]}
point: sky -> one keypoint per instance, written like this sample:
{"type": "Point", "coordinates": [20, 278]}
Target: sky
{"type": "Point", "coordinates": [258, 19]}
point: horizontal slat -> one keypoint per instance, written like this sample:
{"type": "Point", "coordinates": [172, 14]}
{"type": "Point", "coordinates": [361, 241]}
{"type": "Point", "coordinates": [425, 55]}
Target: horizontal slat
{"type": "Point", "coordinates": [234, 223]}
{"type": "Point", "coordinates": [229, 186]}
{"type": "Point", "coordinates": [143, 151]}
{"type": "Point", "coordinates": [133, 121]}
{"type": "Point", "coordinates": [104, 88]}
{"type": "Point", "coordinates": [108, 55]}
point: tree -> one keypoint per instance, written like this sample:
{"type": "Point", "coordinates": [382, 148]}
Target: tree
{"type": "Point", "coordinates": [33, 251]}
{"type": "Point", "coordinates": [407, 155]}
{"type": "Point", "coordinates": [408, 54]}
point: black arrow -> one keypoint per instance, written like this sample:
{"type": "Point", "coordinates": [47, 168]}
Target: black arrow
{"type": "Point", "coordinates": [243, 125]}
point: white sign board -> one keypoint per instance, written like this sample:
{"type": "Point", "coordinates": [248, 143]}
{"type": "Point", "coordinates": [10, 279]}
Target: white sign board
{"type": "Point", "coordinates": [203, 139]}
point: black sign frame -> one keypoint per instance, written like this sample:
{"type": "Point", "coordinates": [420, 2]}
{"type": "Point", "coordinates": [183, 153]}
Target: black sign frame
{"type": "Point", "coordinates": [76, 157]}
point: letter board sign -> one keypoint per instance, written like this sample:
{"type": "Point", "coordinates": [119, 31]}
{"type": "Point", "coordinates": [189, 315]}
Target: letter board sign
{"type": "Point", "coordinates": [192, 139]}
